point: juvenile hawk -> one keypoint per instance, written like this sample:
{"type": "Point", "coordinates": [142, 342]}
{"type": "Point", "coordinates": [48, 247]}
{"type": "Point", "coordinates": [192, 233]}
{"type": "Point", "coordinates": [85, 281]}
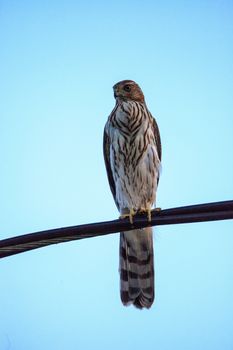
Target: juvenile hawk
{"type": "Point", "coordinates": [132, 153]}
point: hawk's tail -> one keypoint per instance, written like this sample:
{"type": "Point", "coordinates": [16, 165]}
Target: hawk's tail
{"type": "Point", "coordinates": [137, 268]}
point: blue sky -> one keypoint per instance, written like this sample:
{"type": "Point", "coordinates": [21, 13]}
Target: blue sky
{"type": "Point", "coordinates": [58, 63]}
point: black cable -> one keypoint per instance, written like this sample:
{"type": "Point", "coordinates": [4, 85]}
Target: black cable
{"type": "Point", "coordinates": [187, 214]}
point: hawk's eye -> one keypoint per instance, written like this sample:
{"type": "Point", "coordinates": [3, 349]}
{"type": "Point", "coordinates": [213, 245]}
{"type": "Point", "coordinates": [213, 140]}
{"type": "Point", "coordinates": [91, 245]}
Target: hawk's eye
{"type": "Point", "coordinates": [127, 88]}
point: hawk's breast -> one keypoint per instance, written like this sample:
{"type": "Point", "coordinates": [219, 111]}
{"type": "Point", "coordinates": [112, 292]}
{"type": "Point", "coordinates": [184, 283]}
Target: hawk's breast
{"type": "Point", "coordinates": [133, 156]}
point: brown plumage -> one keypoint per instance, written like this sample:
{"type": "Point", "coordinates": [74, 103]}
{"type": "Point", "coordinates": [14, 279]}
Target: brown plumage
{"type": "Point", "coordinates": [132, 153]}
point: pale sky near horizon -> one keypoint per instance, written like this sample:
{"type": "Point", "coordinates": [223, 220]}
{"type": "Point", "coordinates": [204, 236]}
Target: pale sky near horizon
{"type": "Point", "coordinates": [58, 63]}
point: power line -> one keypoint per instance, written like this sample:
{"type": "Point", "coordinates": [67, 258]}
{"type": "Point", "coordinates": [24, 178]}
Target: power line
{"type": "Point", "coordinates": [179, 215]}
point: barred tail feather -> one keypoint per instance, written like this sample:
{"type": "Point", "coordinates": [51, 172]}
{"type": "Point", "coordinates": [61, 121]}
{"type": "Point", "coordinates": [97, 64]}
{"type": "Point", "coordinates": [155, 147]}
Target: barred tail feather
{"type": "Point", "coordinates": [137, 268]}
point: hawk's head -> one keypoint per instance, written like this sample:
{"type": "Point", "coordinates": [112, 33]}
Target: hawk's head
{"type": "Point", "coordinates": [128, 90]}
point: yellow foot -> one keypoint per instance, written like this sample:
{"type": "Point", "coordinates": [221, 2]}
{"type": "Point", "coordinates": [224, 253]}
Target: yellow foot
{"type": "Point", "coordinates": [129, 215]}
{"type": "Point", "coordinates": [146, 211]}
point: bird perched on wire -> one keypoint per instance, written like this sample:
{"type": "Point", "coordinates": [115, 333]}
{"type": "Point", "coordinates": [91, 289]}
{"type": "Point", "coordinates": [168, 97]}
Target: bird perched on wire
{"type": "Point", "coordinates": [132, 153]}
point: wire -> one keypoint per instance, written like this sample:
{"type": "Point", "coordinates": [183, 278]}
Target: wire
{"type": "Point", "coordinates": [180, 215]}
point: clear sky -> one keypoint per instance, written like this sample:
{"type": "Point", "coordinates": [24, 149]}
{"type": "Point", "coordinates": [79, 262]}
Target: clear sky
{"type": "Point", "coordinates": [58, 63]}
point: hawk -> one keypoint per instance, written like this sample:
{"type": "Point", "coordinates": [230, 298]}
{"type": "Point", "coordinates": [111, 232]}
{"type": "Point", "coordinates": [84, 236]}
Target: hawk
{"type": "Point", "coordinates": [132, 154]}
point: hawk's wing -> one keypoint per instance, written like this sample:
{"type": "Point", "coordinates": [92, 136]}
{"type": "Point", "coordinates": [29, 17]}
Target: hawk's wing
{"type": "Point", "coordinates": [158, 142]}
{"type": "Point", "coordinates": [157, 138]}
{"type": "Point", "coordinates": [106, 150]}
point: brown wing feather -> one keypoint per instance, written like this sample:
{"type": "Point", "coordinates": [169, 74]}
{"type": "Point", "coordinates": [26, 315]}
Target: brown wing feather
{"type": "Point", "coordinates": [106, 150]}
{"type": "Point", "coordinates": [157, 138]}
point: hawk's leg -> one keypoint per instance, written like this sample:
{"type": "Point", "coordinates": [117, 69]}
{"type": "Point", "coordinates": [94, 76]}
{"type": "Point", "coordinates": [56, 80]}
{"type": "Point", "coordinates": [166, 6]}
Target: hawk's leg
{"type": "Point", "coordinates": [129, 215]}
